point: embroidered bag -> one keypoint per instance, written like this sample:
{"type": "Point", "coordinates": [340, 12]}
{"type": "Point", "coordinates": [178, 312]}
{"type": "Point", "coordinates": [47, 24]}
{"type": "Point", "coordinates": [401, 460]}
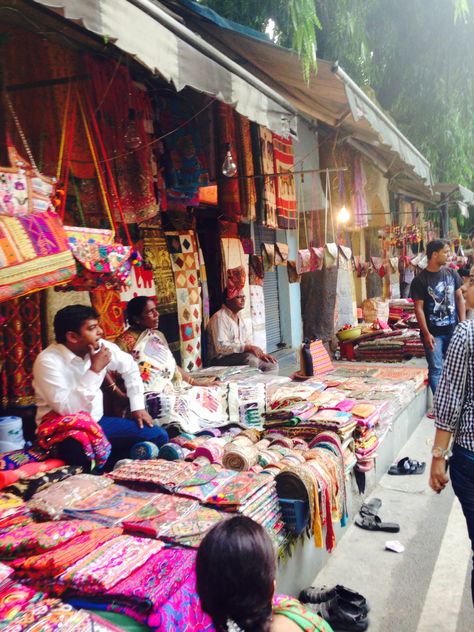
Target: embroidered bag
{"type": "Point", "coordinates": [99, 260]}
{"type": "Point", "coordinates": [303, 261]}
{"type": "Point", "coordinates": [293, 276]}
{"type": "Point", "coordinates": [281, 254]}
{"type": "Point", "coordinates": [268, 254]}
{"type": "Point", "coordinates": [317, 258]}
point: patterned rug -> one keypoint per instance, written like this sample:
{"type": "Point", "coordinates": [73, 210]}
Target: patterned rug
{"type": "Point", "coordinates": [109, 306]}
{"type": "Point", "coordinates": [185, 263]}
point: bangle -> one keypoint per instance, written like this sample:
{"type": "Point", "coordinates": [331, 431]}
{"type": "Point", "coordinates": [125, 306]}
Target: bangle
{"type": "Point", "coordinates": [191, 381]}
{"type": "Point", "coordinates": [112, 385]}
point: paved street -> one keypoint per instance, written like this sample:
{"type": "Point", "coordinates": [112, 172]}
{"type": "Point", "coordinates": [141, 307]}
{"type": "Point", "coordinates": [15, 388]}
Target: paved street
{"type": "Point", "coordinates": [427, 587]}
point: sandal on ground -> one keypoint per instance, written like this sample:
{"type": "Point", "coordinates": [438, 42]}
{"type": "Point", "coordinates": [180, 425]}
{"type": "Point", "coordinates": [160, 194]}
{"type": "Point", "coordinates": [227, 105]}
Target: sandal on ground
{"type": "Point", "coordinates": [341, 615]}
{"type": "Point", "coordinates": [374, 523]}
{"type": "Point", "coordinates": [313, 595]}
{"type": "Point", "coordinates": [407, 466]}
{"type": "Point", "coordinates": [370, 507]}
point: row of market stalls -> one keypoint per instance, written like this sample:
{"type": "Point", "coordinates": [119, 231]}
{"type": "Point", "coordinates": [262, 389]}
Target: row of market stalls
{"type": "Point", "coordinates": [189, 156]}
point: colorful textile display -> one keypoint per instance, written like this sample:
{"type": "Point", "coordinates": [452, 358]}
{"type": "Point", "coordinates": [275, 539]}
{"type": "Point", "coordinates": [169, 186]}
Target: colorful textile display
{"type": "Point", "coordinates": [34, 254]}
{"type": "Point", "coordinates": [107, 304]}
{"type": "Point", "coordinates": [20, 343]}
{"type": "Point", "coordinates": [42, 536]}
{"type": "Point", "coordinates": [110, 506]}
{"type": "Point", "coordinates": [185, 163]}
{"type": "Point", "coordinates": [17, 458]}
{"type": "Point", "coordinates": [166, 474]}
{"type": "Point", "coordinates": [51, 563]}
{"type": "Point", "coordinates": [100, 261]}
{"type": "Point", "coordinates": [284, 163]}
{"type": "Point", "coordinates": [185, 262]}
{"type": "Point", "coordinates": [315, 358]}
{"type": "Point", "coordinates": [257, 313]}
{"type": "Point", "coordinates": [29, 479]}
{"type": "Point", "coordinates": [55, 428]}
{"type": "Point", "coordinates": [267, 166]}
{"type": "Point", "coordinates": [110, 563]}
{"type": "Point", "coordinates": [157, 257]}
{"type": "Point", "coordinates": [50, 503]}
{"type": "Point", "coordinates": [156, 518]}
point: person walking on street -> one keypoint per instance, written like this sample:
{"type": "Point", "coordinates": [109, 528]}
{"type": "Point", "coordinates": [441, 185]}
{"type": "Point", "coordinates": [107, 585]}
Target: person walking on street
{"type": "Point", "coordinates": [439, 306]}
{"type": "Point", "coordinates": [454, 417]}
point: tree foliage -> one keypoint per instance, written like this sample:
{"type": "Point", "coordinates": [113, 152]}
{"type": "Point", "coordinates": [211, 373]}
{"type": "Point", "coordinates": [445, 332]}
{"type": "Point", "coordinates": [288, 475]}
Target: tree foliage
{"type": "Point", "coordinates": [417, 55]}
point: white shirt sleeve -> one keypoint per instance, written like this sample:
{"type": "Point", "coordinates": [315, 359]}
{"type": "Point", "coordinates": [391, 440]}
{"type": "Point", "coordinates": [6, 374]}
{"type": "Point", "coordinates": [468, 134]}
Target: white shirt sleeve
{"type": "Point", "coordinates": [62, 396]}
{"type": "Point", "coordinates": [124, 364]}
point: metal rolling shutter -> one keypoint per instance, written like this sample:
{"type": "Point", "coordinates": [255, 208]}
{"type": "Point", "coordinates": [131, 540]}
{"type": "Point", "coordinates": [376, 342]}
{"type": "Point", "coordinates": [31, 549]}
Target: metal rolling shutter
{"type": "Point", "coordinates": [271, 295]}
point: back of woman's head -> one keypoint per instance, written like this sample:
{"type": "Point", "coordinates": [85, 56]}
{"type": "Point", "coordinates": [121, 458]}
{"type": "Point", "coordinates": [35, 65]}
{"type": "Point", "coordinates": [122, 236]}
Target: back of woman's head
{"type": "Point", "coordinates": [235, 570]}
{"type": "Point", "coordinates": [135, 308]}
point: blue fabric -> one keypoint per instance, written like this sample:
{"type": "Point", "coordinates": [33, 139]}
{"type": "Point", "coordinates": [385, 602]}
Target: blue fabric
{"type": "Point", "coordinates": [461, 466]}
{"type": "Point", "coordinates": [435, 359]}
{"type": "Point", "coordinates": [124, 433]}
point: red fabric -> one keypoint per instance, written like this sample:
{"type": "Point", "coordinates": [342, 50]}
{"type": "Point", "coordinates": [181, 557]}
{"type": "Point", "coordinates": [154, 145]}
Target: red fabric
{"type": "Point", "coordinates": [285, 185]}
{"type": "Point", "coordinates": [228, 188]}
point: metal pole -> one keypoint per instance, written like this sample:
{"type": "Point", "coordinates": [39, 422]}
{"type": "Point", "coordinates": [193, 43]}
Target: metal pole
{"type": "Point", "coordinates": [444, 216]}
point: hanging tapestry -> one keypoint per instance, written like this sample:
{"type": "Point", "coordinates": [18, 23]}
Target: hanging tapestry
{"type": "Point", "coordinates": [284, 163]}
{"type": "Point", "coordinates": [256, 270]}
{"type": "Point", "coordinates": [228, 189]}
{"type": "Point", "coordinates": [34, 254]}
{"type": "Point", "coordinates": [161, 284]}
{"type": "Point", "coordinates": [108, 304]}
{"type": "Point", "coordinates": [233, 257]}
{"type": "Point", "coordinates": [53, 302]}
{"type": "Point", "coordinates": [269, 183]}
{"type": "Point", "coordinates": [184, 160]}
{"type": "Point", "coordinates": [346, 305]}
{"type": "Point", "coordinates": [184, 256]}
{"type": "Point", "coordinates": [248, 195]}
{"type": "Point", "coordinates": [21, 341]}
{"type": "Point", "coordinates": [361, 213]}
{"type": "Point", "coordinates": [206, 312]}
{"type": "Point", "coordinates": [126, 127]}
{"type": "Point", "coordinates": [257, 312]}
{"type": "Point", "coordinates": [394, 277]}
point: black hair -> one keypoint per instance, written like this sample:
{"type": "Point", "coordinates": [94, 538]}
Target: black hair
{"type": "Point", "coordinates": [435, 246]}
{"type": "Point", "coordinates": [235, 573]}
{"type": "Point", "coordinates": [464, 272]}
{"type": "Point", "coordinates": [71, 318]}
{"type": "Point", "coordinates": [135, 308]}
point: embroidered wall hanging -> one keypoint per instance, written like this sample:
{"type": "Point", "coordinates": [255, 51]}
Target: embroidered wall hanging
{"type": "Point", "coordinates": [185, 263]}
{"type": "Point", "coordinates": [284, 163]}
{"type": "Point", "coordinates": [269, 183]}
{"type": "Point", "coordinates": [108, 305]}
{"type": "Point", "coordinates": [157, 257]}
{"type": "Point", "coordinates": [257, 312]}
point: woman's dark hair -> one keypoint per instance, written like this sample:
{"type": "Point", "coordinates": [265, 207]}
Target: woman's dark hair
{"type": "Point", "coordinates": [135, 308]}
{"type": "Point", "coordinates": [235, 570]}
{"type": "Point", "coordinates": [435, 246]}
{"type": "Point", "coordinates": [71, 318]}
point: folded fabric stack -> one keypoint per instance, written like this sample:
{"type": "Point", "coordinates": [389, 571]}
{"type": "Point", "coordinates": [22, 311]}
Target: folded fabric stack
{"type": "Point", "coordinates": [386, 348]}
{"type": "Point", "coordinates": [247, 401]}
{"type": "Point", "coordinates": [50, 503]}
{"type": "Point", "coordinates": [414, 346]}
{"type": "Point", "coordinates": [164, 474]}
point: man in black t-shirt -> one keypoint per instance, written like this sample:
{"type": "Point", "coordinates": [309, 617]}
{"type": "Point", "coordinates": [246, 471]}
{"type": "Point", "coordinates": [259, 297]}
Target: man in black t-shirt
{"type": "Point", "coordinates": [439, 306]}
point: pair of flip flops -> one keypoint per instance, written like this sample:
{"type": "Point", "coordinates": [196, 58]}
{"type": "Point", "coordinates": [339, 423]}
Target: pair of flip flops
{"type": "Point", "coordinates": [407, 467]}
{"type": "Point", "coordinates": [369, 519]}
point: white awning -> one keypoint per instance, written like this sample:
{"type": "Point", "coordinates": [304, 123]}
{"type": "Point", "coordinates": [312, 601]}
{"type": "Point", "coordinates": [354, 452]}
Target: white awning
{"type": "Point", "coordinates": [163, 44]}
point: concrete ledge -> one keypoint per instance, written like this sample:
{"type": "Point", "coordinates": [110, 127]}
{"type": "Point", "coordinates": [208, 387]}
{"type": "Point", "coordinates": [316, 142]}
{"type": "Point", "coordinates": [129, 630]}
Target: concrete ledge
{"type": "Point", "coordinates": [305, 560]}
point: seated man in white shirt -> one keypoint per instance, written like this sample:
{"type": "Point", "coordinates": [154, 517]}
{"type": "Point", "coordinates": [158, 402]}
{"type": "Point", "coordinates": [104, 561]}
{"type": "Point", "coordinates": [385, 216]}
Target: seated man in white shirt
{"type": "Point", "coordinates": [67, 378]}
{"type": "Point", "coordinates": [229, 342]}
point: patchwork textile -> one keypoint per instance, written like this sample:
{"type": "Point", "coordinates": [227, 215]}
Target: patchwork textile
{"type": "Point", "coordinates": [55, 428]}
{"type": "Point", "coordinates": [166, 474]}
{"type": "Point", "coordinates": [50, 503]}
{"type": "Point", "coordinates": [17, 458]}
{"type": "Point", "coordinates": [109, 564]}
{"type": "Point", "coordinates": [51, 615]}
{"type": "Point", "coordinates": [49, 564]}
{"type": "Point", "coordinates": [157, 257]}
{"type": "Point", "coordinates": [20, 343]}
{"type": "Point", "coordinates": [284, 163]}
{"type": "Point", "coordinates": [41, 536]}
{"type": "Point", "coordinates": [26, 486]}
{"type": "Point", "coordinates": [14, 597]}
{"type": "Point", "coordinates": [191, 529]}
{"type": "Point", "coordinates": [185, 262]}
{"type": "Point", "coordinates": [34, 254]}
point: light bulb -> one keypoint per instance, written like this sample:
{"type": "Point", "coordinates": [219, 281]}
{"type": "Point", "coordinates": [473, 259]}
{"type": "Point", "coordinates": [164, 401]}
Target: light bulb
{"type": "Point", "coordinates": [229, 168]}
{"type": "Point", "coordinates": [131, 137]}
{"type": "Point", "coordinates": [343, 216]}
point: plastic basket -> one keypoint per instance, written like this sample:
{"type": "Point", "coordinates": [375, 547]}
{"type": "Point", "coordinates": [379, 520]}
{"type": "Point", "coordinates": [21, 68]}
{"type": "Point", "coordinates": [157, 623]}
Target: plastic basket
{"type": "Point", "coordinates": [295, 514]}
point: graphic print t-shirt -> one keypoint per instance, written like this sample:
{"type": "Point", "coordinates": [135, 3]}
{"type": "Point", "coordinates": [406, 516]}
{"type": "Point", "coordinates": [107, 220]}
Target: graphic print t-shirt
{"type": "Point", "coordinates": [437, 291]}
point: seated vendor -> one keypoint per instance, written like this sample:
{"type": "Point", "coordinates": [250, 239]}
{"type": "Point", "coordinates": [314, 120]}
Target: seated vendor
{"type": "Point", "coordinates": [67, 378]}
{"type": "Point", "coordinates": [173, 396]}
{"type": "Point", "coordinates": [229, 341]}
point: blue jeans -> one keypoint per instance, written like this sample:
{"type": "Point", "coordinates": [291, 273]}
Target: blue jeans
{"type": "Point", "coordinates": [123, 433]}
{"type": "Point", "coordinates": [461, 467]}
{"type": "Point", "coordinates": [435, 359]}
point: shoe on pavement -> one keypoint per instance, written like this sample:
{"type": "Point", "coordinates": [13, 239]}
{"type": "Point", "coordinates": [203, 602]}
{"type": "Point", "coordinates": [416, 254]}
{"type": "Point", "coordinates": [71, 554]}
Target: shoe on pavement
{"type": "Point", "coordinates": [313, 595]}
{"type": "Point", "coordinates": [341, 615]}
